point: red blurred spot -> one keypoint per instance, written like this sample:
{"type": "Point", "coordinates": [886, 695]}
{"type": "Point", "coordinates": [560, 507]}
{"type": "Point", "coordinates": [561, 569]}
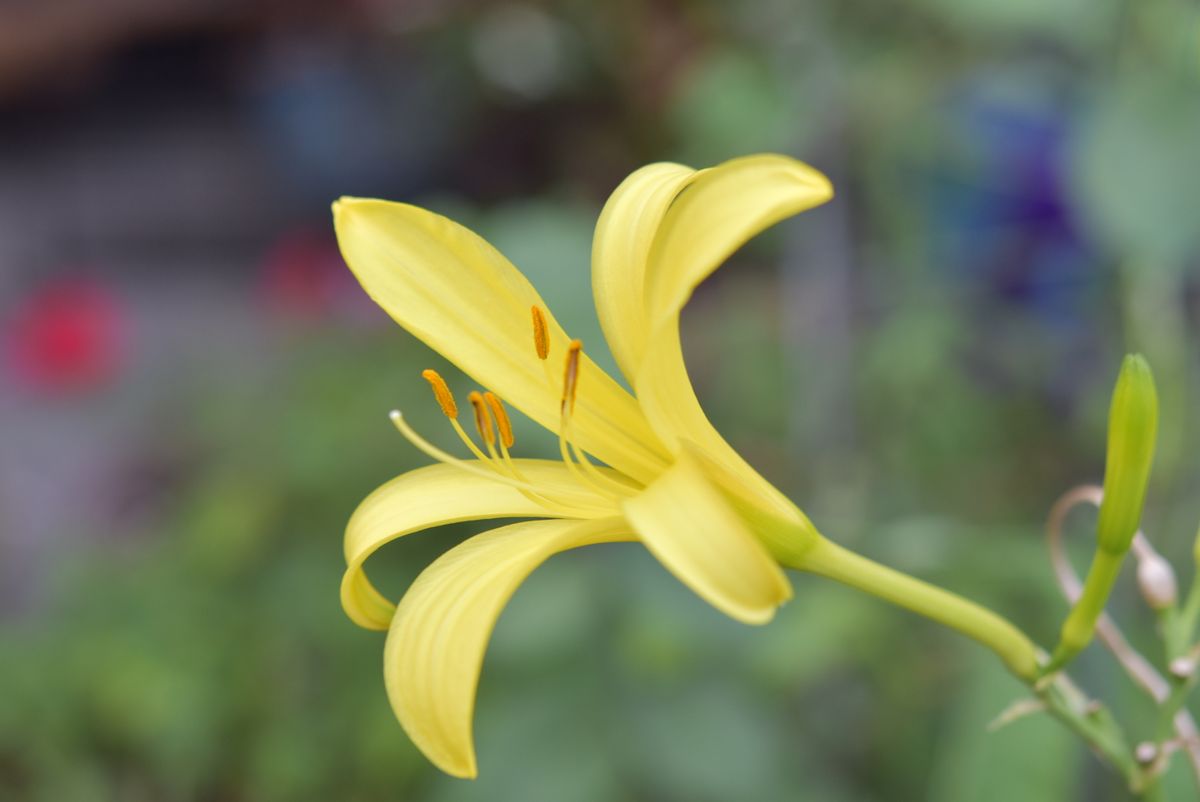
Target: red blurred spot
{"type": "Point", "coordinates": [303, 275]}
{"type": "Point", "coordinates": [67, 335]}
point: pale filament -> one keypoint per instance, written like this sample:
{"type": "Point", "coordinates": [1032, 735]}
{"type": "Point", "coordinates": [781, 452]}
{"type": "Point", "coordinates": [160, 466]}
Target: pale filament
{"type": "Point", "coordinates": [565, 506]}
{"type": "Point", "coordinates": [495, 433]}
{"type": "Point", "coordinates": [590, 474]}
{"type": "Point", "coordinates": [490, 420]}
{"type": "Point", "coordinates": [445, 400]}
{"type": "Point", "coordinates": [489, 423]}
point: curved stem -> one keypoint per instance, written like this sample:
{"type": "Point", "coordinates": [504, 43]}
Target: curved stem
{"type": "Point", "coordinates": [1093, 723]}
{"type": "Point", "coordinates": [1138, 668]}
{"type": "Point", "coordinates": [1088, 719]}
{"type": "Point", "coordinates": [1080, 625]}
{"type": "Point", "coordinates": [979, 623]}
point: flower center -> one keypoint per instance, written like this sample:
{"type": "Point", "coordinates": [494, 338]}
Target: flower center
{"type": "Point", "coordinates": [598, 490]}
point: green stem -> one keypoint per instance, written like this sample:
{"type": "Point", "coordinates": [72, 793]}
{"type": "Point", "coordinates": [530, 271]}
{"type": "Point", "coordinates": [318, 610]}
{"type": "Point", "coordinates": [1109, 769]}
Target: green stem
{"type": "Point", "coordinates": [1089, 720]}
{"type": "Point", "coordinates": [1184, 626]}
{"type": "Point", "coordinates": [1080, 625]}
{"type": "Point", "coordinates": [1093, 723]}
{"type": "Point", "coordinates": [1170, 707]}
{"type": "Point", "coordinates": [1014, 648]}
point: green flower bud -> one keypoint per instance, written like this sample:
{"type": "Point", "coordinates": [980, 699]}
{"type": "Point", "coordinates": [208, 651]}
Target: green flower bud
{"type": "Point", "coordinates": [1132, 428]}
{"type": "Point", "coordinates": [1196, 550]}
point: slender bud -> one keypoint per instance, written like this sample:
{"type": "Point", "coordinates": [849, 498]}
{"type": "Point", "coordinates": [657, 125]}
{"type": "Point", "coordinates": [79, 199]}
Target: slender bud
{"type": "Point", "coordinates": [1156, 579]}
{"type": "Point", "coordinates": [1132, 427]}
{"type": "Point", "coordinates": [1196, 550]}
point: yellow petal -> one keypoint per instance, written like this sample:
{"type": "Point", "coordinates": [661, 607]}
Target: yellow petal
{"type": "Point", "coordinates": [437, 640]}
{"type": "Point", "coordinates": [665, 393]}
{"type": "Point", "coordinates": [433, 496]}
{"type": "Point", "coordinates": [461, 297]}
{"type": "Point", "coordinates": [722, 209]}
{"type": "Point", "coordinates": [689, 525]}
{"type": "Point", "coordinates": [624, 235]}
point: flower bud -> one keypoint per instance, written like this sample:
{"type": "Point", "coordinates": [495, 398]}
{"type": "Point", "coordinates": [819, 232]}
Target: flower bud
{"type": "Point", "coordinates": [1156, 579]}
{"type": "Point", "coordinates": [1132, 427]}
{"type": "Point", "coordinates": [1196, 550]}
{"type": "Point", "coordinates": [1182, 668]}
{"type": "Point", "coordinates": [1146, 753]}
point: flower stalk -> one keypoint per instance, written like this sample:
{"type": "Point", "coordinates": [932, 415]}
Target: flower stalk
{"type": "Point", "coordinates": [647, 466]}
{"type": "Point", "coordinates": [1012, 646]}
{"type": "Point", "coordinates": [1132, 428]}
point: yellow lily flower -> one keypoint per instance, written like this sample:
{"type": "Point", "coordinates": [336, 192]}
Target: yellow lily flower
{"type": "Point", "coordinates": [668, 479]}
{"type": "Point", "coordinates": [671, 481]}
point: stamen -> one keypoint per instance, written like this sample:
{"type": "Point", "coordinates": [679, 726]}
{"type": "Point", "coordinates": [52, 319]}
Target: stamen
{"type": "Point", "coordinates": [500, 463]}
{"type": "Point", "coordinates": [470, 444]}
{"type": "Point", "coordinates": [613, 485]}
{"type": "Point", "coordinates": [590, 475]}
{"type": "Point", "coordinates": [571, 377]}
{"type": "Point", "coordinates": [501, 416]}
{"type": "Point", "coordinates": [541, 334]}
{"type": "Point", "coordinates": [483, 421]}
{"type": "Point", "coordinates": [505, 458]}
{"type": "Point", "coordinates": [441, 392]}
{"type": "Point", "coordinates": [563, 504]}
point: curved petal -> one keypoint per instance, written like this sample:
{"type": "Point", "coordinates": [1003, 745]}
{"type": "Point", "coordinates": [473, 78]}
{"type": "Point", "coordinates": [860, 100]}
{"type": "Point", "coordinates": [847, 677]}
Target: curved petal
{"type": "Point", "coordinates": [723, 208]}
{"type": "Point", "coordinates": [461, 297]}
{"type": "Point", "coordinates": [621, 246]}
{"type": "Point", "coordinates": [433, 496]}
{"type": "Point", "coordinates": [665, 393]}
{"type": "Point", "coordinates": [437, 640]}
{"type": "Point", "coordinates": [689, 525]}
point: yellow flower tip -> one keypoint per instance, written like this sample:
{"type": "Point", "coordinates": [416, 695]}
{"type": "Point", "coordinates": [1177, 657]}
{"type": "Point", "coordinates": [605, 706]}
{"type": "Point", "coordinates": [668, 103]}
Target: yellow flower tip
{"type": "Point", "coordinates": [821, 183]}
{"type": "Point", "coordinates": [343, 205]}
{"type": "Point", "coordinates": [396, 417]}
{"type": "Point", "coordinates": [541, 334]}
{"type": "Point", "coordinates": [461, 764]}
{"type": "Point", "coordinates": [483, 420]}
{"type": "Point", "coordinates": [762, 613]}
{"type": "Point", "coordinates": [502, 421]}
{"type": "Point", "coordinates": [756, 617]}
{"type": "Point", "coordinates": [441, 392]}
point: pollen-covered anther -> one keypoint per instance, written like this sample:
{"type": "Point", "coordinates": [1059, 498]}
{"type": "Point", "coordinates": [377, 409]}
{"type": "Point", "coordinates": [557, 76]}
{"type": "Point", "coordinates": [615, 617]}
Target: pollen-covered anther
{"type": "Point", "coordinates": [571, 376]}
{"type": "Point", "coordinates": [441, 393]}
{"type": "Point", "coordinates": [483, 420]}
{"type": "Point", "coordinates": [501, 415]}
{"type": "Point", "coordinates": [541, 334]}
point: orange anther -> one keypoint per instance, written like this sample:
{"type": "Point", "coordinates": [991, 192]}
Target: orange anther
{"type": "Point", "coordinates": [571, 376]}
{"type": "Point", "coordinates": [541, 334]}
{"type": "Point", "coordinates": [483, 421]}
{"type": "Point", "coordinates": [441, 392]}
{"type": "Point", "coordinates": [501, 416]}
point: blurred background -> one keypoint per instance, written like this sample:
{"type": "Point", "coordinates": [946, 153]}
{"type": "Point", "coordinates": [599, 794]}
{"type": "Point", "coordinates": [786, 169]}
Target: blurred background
{"type": "Point", "coordinates": [194, 390]}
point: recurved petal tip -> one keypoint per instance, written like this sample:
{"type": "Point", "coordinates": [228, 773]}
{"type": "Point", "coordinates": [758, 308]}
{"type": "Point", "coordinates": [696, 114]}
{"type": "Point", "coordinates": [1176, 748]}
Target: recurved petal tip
{"type": "Point", "coordinates": [439, 633]}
